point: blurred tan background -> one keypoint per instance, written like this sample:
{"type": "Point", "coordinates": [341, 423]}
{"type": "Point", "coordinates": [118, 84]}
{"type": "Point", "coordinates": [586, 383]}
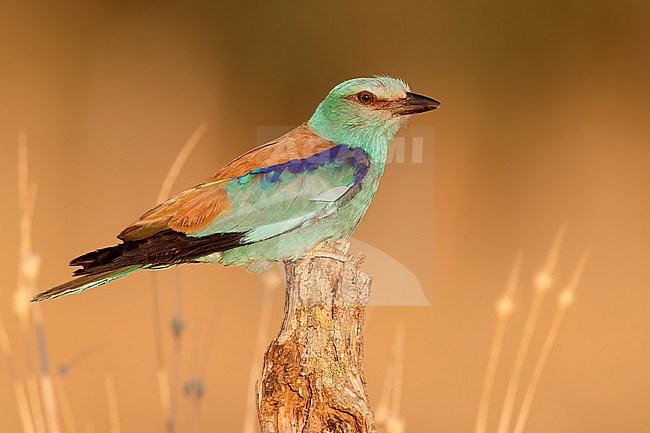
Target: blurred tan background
{"type": "Point", "coordinates": [544, 120]}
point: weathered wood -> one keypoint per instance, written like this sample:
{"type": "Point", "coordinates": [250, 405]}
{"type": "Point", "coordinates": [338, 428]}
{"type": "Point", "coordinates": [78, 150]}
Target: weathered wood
{"type": "Point", "coordinates": [313, 380]}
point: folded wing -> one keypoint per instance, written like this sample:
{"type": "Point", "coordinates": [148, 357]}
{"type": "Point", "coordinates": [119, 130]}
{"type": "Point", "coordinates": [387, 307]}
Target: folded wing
{"type": "Point", "coordinates": [273, 189]}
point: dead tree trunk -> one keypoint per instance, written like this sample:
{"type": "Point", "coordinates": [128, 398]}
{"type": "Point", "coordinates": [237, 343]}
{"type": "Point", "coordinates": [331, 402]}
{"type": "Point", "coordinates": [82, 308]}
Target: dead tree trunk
{"type": "Point", "coordinates": [313, 380]}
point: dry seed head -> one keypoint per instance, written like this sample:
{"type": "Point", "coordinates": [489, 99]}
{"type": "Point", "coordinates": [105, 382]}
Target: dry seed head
{"type": "Point", "coordinates": [31, 265]}
{"type": "Point", "coordinates": [566, 297]}
{"type": "Point", "coordinates": [543, 281]}
{"type": "Point", "coordinates": [505, 305]}
{"type": "Point", "coordinates": [21, 302]}
{"type": "Point", "coordinates": [395, 424]}
{"type": "Point", "coordinates": [381, 415]}
{"type": "Point", "coordinates": [271, 279]}
{"type": "Point", "coordinates": [177, 325]}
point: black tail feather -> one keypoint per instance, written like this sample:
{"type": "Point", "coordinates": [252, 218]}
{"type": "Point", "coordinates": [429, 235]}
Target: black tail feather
{"type": "Point", "coordinates": [165, 248]}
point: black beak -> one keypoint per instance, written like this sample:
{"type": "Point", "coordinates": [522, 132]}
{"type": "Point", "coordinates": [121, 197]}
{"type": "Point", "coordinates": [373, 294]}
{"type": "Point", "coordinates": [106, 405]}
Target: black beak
{"type": "Point", "coordinates": [413, 104]}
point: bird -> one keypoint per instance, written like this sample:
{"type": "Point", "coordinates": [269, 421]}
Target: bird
{"type": "Point", "coordinates": [275, 202]}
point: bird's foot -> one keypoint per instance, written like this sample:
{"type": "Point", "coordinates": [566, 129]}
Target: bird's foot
{"type": "Point", "coordinates": [334, 250]}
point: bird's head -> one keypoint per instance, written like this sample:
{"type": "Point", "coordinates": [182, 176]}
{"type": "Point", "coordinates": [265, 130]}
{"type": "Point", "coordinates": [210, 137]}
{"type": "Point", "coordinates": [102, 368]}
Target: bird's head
{"type": "Point", "coordinates": [368, 109]}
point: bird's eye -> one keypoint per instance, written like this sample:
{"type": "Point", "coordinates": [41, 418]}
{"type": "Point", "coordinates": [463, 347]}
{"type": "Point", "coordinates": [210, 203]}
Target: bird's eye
{"type": "Point", "coordinates": [366, 98]}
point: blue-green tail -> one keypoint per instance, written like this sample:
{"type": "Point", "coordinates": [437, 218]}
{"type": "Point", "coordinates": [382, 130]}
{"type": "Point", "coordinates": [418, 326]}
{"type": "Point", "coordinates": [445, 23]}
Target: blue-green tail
{"type": "Point", "coordinates": [85, 282]}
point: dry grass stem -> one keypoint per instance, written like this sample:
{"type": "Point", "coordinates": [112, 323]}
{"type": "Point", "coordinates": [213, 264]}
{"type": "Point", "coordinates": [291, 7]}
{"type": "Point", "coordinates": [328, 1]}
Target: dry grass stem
{"type": "Point", "coordinates": [35, 402]}
{"type": "Point", "coordinates": [23, 407]}
{"type": "Point", "coordinates": [64, 403]}
{"type": "Point", "coordinates": [179, 162]}
{"type": "Point", "coordinates": [387, 415]}
{"type": "Point", "coordinates": [543, 282]}
{"type": "Point", "coordinates": [168, 396]}
{"type": "Point", "coordinates": [28, 265]}
{"type": "Point", "coordinates": [177, 328]}
{"type": "Point", "coordinates": [50, 404]}
{"type": "Point", "coordinates": [28, 270]}
{"type": "Point", "coordinates": [203, 357]}
{"type": "Point", "coordinates": [24, 410]}
{"type": "Point", "coordinates": [504, 309]}
{"type": "Point", "coordinates": [113, 408]}
{"type": "Point", "coordinates": [194, 387]}
{"type": "Point", "coordinates": [270, 282]}
{"type": "Point", "coordinates": [564, 300]}
{"type": "Point", "coordinates": [398, 385]}
{"type": "Point", "coordinates": [161, 371]}
{"type": "Point", "coordinates": [396, 423]}
{"type": "Point", "coordinates": [28, 262]}
{"type": "Point", "coordinates": [47, 387]}
{"type": "Point", "coordinates": [383, 408]}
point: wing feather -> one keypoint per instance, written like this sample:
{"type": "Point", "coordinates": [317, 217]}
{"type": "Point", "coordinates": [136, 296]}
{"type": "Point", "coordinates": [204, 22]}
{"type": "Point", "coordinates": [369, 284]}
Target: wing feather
{"type": "Point", "coordinates": [274, 188]}
{"type": "Point", "coordinates": [288, 196]}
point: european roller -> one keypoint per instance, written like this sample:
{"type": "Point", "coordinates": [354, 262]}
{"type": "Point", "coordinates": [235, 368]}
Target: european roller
{"type": "Point", "coordinates": [274, 203]}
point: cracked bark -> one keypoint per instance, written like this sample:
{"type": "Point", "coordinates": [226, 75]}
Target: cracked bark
{"type": "Point", "coordinates": [313, 378]}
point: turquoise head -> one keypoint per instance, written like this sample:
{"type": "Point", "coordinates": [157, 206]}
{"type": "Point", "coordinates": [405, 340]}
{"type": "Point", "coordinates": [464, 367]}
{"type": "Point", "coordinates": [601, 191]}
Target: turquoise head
{"type": "Point", "coordinates": [367, 111]}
